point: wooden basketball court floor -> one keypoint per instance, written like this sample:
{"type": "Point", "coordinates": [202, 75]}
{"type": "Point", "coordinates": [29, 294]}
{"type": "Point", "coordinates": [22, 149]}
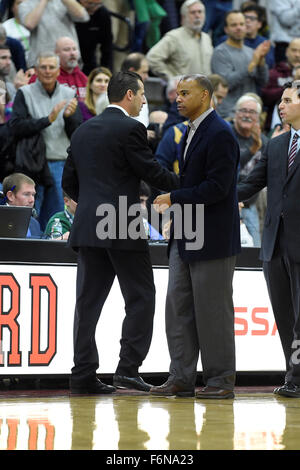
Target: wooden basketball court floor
{"type": "Point", "coordinates": [128, 420]}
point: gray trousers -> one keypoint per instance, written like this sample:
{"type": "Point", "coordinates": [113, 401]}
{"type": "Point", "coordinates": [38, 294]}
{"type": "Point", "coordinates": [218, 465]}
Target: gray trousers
{"type": "Point", "coordinates": [200, 318]}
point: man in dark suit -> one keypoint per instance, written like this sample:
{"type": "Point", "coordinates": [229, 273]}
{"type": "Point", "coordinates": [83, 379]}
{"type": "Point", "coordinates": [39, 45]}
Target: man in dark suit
{"type": "Point", "coordinates": [108, 158]}
{"type": "Point", "coordinates": [199, 306]}
{"type": "Point", "coordinates": [279, 171]}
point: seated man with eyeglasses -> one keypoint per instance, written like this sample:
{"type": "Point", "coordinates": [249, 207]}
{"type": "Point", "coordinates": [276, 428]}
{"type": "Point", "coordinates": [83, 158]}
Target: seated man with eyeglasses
{"type": "Point", "coordinates": [252, 142]}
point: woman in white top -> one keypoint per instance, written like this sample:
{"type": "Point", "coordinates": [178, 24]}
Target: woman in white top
{"type": "Point", "coordinates": [15, 29]}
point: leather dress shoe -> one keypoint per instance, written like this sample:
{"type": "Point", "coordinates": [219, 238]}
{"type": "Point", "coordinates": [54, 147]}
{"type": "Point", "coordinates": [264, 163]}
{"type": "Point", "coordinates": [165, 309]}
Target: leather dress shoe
{"type": "Point", "coordinates": [95, 387]}
{"type": "Point", "coordinates": [289, 389]}
{"type": "Point", "coordinates": [170, 388]}
{"type": "Point", "coordinates": [214, 393]}
{"type": "Point", "coordinates": [137, 383]}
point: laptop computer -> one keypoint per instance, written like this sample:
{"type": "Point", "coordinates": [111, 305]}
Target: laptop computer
{"type": "Point", "coordinates": [14, 221]}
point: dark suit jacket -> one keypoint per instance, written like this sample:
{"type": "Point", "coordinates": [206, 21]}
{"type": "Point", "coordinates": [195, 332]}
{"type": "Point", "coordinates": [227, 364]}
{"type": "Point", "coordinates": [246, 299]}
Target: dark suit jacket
{"type": "Point", "coordinates": [108, 157]}
{"type": "Point", "coordinates": [208, 176]}
{"type": "Point", "coordinates": [283, 196]}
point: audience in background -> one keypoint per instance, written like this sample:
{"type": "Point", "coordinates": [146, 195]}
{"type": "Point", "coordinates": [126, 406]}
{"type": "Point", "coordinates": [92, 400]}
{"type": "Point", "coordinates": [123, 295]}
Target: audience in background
{"type": "Point", "coordinates": [96, 98]}
{"type": "Point", "coordinates": [49, 20]}
{"type": "Point", "coordinates": [245, 69]}
{"type": "Point", "coordinates": [82, 33]}
{"type": "Point", "coordinates": [15, 29]}
{"type": "Point", "coordinates": [186, 49]}
{"type": "Point", "coordinates": [48, 110]}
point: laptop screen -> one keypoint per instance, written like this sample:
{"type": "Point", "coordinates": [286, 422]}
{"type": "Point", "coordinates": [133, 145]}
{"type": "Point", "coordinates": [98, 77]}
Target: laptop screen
{"type": "Point", "coordinates": [14, 221]}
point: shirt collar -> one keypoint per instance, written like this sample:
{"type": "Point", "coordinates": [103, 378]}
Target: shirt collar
{"type": "Point", "coordinates": [196, 123]}
{"type": "Point", "coordinates": [118, 107]}
{"type": "Point", "coordinates": [293, 132]}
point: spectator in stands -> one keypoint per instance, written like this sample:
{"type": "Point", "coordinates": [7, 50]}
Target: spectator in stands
{"type": "Point", "coordinates": [252, 143]}
{"type": "Point", "coordinates": [96, 98]}
{"type": "Point", "coordinates": [285, 25]}
{"type": "Point", "coordinates": [49, 108]}
{"type": "Point", "coordinates": [171, 94]}
{"type": "Point", "coordinates": [186, 49]}
{"type": "Point", "coordinates": [137, 62]}
{"type": "Point", "coordinates": [157, 119]}
{"type": "Point", "coordinates": [254, 16]}
{"type": "Point", "coordinates": [244, 69]}
{"type": "Point", "coordinates": [15, 29]}
{"type": "Point", "coordinates": [282, 73]}
{"type": "Point", "coordinates": [220, 87]}
{"type": "Point", "coordinates": [65, 217]}
{"type": "Point", "coordinates": [49, 20]}
{"type": "Point", "coordinates": [97, 31]}
{"type": "Point", "coordinates": [5, 69]}
{"type": "Point", "coordinates": [19, 190]}
{"type": "Point", "coordinates": [70, 73]}
{"type": "Point", "coordinates": [15, 47]}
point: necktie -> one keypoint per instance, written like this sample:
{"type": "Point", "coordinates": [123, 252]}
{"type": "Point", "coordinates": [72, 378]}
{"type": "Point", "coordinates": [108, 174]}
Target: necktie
{"type": "Point", "coordinates": [293, 151]}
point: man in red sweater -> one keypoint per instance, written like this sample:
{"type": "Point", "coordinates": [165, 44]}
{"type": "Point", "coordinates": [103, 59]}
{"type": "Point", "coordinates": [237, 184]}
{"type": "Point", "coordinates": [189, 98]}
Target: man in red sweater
{"type": "Point", "coordinates": [70, 73]}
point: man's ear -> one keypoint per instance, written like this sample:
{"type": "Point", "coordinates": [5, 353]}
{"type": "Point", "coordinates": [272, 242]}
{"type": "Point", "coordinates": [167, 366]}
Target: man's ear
{"type": "Point", "coordinates": [10, 196]}
{"type": "Point", "coordinates": [129, 94]}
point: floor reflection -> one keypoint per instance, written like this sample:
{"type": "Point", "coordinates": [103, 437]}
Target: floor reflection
{"type": "Point", "coordinates": [250, 422]}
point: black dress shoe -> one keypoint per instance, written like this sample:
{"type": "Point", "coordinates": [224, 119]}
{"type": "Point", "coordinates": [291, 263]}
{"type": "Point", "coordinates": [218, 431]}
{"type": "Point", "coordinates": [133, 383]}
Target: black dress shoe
{"type": "Point", "coordinates": [215, 393]}
{"type": "Point", "coordinates": [170, 388]}
{"type": "Point", "coordinates": [95, 387]}
{"type": "Point", "coordinates": [289, 389]}
{"type": "Point", "coordinates": [137, 383]}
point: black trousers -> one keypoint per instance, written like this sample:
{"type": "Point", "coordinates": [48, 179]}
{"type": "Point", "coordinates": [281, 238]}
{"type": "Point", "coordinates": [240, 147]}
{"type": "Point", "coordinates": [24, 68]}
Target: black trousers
{"type": "Point", "coordinates": [97, 268]}
{"type": "Point", "coordinates": [282, 275]}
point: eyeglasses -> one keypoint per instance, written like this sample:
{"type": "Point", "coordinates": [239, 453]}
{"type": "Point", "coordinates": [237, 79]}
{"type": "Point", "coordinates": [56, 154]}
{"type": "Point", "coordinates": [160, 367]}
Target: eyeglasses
{"type": "Point", "coordinates": [249, 111]}
{"type": "Point", "coordinates": [251, 18]}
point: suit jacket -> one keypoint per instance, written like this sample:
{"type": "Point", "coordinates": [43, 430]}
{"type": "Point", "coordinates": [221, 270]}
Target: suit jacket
{"type": "Point", "coordinates": [283, 196]}
{"type": "Point", "coordinates": [208, 175]}
{"type": "Point", "coordinates": [108, 157]}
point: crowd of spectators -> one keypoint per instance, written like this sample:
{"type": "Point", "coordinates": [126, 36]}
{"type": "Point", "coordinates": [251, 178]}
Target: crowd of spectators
{"type": "Point", "coordinates": [57, 57]}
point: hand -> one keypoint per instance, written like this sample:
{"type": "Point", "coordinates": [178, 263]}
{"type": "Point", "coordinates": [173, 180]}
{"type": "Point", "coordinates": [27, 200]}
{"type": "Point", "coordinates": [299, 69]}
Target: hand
{"type": "Point", "coordinates": [264, 48]}
{"type": "Point", "coordinates": [56, 110]}
{"type": "Point", "coordinates": [162, 203]}
{"type": "Point", "coordinates": [280, 130]}
{"type": "Point", "coordinates": [21, 79]}
{"type": "Point", "coordinates": [71, 108]}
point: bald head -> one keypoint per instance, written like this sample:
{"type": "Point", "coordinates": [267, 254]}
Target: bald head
{"type": "Point", "coordinates": [293, 53]}
{"type": "Point", "coordinates": [67, 50]}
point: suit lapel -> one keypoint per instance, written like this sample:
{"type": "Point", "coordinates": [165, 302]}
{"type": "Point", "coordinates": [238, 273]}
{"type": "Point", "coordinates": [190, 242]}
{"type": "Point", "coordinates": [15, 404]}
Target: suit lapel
{"type": "Point", "coordinates": [296, 163]}
{"type": "Point", "coordinates": [200, 132]}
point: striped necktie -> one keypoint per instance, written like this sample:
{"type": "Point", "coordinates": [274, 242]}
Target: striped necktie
{"type": "Point", "coordinates": [293, 151]}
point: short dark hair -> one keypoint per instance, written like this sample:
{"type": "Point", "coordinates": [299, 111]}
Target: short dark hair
{"type": "Point", "coordinates": [230, 13]}
{"type": "Point", "coordinates": [4, 47]}
{"type": "Point", "coordinates": [202, 80]}
{"type": "Point", "coordinates": [260, 11]}
{"type": "Point", "coordinates": [120, 83]}
{"type": "Point", "coordinates": [133, 60]}
{"type": "Point", "coordinates": [295, 84]}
